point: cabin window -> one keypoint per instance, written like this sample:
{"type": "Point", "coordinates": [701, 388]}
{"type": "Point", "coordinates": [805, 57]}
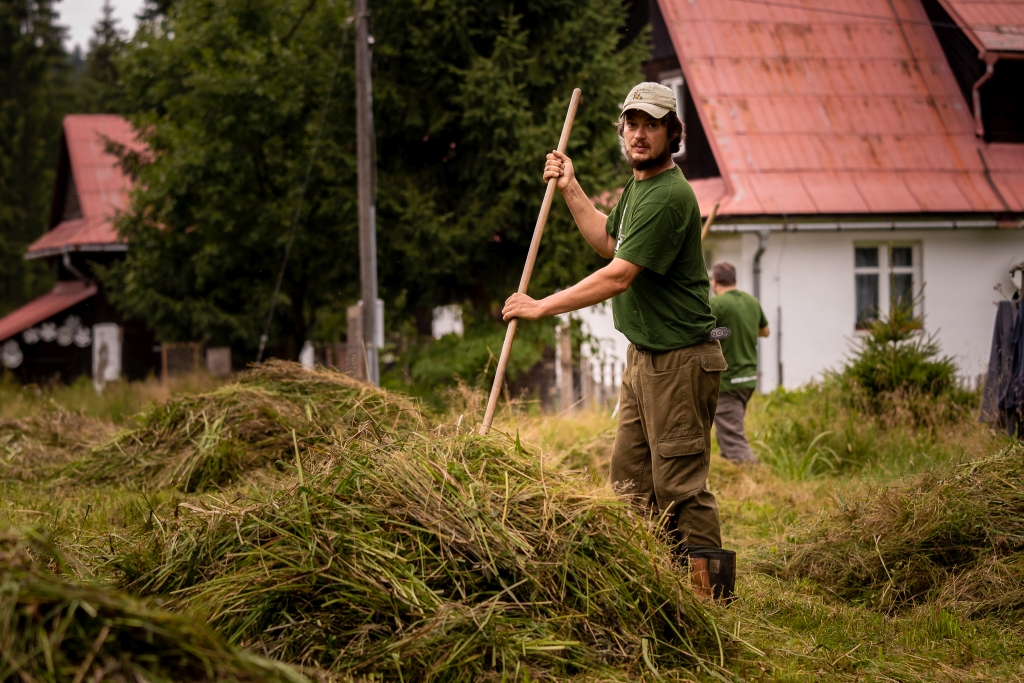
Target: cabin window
{"type": "Point", "coordinates": [674, 80]}
{"type": "Point", "coordinates": [885, 276]}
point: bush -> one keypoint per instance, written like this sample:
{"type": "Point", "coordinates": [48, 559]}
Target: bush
{"type": "Point", "coordinates": [896, 356]}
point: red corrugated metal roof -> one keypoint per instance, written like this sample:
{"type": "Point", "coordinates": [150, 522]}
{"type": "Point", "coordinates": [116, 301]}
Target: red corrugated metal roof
{"type": "Point", "coordinates": [101, 186]}
{"type": "Point", "coordinates": [841, 111]}
{"type": "Point", "coordinates": [993, 25]}
{"type": "Point", "coordinates": [65, 295]}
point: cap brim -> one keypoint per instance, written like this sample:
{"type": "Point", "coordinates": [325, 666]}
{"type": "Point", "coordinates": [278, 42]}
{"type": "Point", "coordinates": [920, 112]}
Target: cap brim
{"type": "Point", "coordinates": [652, 109]}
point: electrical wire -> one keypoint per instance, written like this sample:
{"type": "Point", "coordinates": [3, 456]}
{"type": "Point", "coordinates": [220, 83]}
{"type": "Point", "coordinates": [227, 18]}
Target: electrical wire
{"type": "Point", "coordinates": [298, 205]}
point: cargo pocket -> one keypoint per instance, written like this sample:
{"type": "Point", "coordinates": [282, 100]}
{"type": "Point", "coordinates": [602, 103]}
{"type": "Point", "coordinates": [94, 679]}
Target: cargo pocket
{"type": "Point", "coordinates": [680, 446]}
{"type": "Point", "coordinates": [682, 465]}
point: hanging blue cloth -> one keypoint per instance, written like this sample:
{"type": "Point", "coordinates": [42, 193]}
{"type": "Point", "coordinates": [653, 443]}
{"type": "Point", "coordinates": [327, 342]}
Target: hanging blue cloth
{"type": "Point", "coordinates": [1012, 400]}
{"type": "Point", "coordinates": [999, 366]}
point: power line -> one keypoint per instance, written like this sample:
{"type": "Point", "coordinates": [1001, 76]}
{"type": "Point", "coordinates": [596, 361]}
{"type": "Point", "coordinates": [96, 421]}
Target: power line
{"type": "Point", "coordinates": [878, 17]}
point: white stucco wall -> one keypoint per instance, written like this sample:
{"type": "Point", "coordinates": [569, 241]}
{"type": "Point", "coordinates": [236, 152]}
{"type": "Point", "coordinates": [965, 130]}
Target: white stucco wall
{"type": "Point", "coordinates": [810, 276]}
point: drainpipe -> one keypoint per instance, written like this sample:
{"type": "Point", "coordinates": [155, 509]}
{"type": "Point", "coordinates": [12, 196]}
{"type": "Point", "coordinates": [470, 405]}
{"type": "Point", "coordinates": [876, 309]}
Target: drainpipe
{"type": "Point", "coordinates": [762, 244]}
{"type": "Point", "coordinates": [990, 66]}
{"type": "Point", "coordinates": [66, 260]}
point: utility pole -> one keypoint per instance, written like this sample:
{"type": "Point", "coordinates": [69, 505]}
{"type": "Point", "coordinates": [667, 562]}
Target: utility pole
{"type": "Point", "coordinates": [365, 143]}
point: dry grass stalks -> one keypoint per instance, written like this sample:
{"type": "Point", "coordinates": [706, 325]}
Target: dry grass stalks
{"type": "Point", "coordinates": [452, 558]}
{"type": "Point", "coordinates": [953, 539]}
{"type": "Point", "coordinates": [202, 441]}
{"type": "Point", "coordinates": [54, 630]}
{"type": "Point", "coordinates": [33, 447]}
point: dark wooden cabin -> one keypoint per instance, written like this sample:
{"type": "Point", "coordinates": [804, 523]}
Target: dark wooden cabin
{"type": "Point", "coordinates": [73, 330]}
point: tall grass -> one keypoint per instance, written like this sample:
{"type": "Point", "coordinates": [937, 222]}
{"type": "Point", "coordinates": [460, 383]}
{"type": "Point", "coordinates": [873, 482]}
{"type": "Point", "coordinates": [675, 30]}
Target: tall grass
{"type": "Point", "coordinates": [117, 403]}
{"type": "Point", "coordinates": [829, 429]}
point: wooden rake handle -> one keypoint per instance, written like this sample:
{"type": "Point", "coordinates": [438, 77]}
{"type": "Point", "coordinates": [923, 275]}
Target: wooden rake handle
{"type": "Point", "coordinates": [709, 222]}
{"type": "Point", "coordinates": [531, 259]}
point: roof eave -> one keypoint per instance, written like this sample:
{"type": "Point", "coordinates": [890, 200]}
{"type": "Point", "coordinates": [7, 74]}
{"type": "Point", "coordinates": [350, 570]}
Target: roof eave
{"type": "Point", "coordinates": [70, 248]}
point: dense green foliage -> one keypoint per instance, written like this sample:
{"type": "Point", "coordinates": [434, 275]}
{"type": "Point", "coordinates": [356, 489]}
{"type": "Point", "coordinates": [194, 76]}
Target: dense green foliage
{"type": "Point", "coordinates": [33, 98]}
{"type": "Point", "coordinates": [468, 96]}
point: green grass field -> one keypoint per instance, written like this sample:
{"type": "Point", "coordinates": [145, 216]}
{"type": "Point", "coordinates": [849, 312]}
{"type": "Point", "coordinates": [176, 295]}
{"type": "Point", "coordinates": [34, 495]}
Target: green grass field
{"type": "Point", "coordinates": [298, 525]}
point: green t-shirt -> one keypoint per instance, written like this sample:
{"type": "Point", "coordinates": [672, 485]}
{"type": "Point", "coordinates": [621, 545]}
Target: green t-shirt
{"type": "Point", "coordinates": [658, 226]}
{"type": "Point", "coordinates": [742, 314]}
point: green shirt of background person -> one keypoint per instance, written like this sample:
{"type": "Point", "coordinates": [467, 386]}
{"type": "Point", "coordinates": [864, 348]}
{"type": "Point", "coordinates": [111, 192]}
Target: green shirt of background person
{"type": "Point", "coordinates": [659, 282]}
{"type": "Point", "coordinates": [742, 314]}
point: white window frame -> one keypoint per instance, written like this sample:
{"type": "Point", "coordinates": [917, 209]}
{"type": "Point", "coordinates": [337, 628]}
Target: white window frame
{"type": "Point", "coordinates": [885, 270]}
{"type": "Point", "coordinates": [674, 79]}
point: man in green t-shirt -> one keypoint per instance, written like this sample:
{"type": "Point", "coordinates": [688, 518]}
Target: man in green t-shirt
{"type": "Point", "coordinates": [742, 314]}
{"type": "Point", "coordinates": [660, 287]}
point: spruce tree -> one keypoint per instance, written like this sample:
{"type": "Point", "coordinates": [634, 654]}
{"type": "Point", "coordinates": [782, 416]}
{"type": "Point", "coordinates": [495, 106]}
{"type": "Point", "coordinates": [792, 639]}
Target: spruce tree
{"type": "Point", "coordinates": [33, 98]}
{"type": "Point", "coordinates": [99, 89]}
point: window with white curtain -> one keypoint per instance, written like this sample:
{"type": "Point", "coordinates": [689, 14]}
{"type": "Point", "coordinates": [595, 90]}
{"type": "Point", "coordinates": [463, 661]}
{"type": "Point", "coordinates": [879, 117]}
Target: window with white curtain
{"type": "Point", "coordinates": [885, 276]}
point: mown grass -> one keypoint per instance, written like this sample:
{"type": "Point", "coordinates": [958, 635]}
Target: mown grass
{"type": "Point", "coordinates": [787, 625]}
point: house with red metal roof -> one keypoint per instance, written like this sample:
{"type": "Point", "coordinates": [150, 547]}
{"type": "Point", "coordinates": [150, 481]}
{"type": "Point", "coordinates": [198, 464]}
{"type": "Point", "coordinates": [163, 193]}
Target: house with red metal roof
{"type": "Point", "coordinates": [73, 330]}
{"type": "Point", "coordinates": [861, 152]}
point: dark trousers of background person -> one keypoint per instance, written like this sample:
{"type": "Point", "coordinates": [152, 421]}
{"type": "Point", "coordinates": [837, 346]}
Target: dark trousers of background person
{"type": "Point", "coordinates": [732, 440]}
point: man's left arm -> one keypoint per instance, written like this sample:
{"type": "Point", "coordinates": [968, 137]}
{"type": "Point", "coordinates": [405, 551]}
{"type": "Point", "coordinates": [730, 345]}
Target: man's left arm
{"type": "Point", "coordinates": [762, 326]}
{"type": "Point", "coordinates": [613, 279]}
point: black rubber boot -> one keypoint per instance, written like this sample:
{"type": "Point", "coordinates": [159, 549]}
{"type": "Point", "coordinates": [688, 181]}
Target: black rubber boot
{"type": "Point", "coordinates": [720, 566]}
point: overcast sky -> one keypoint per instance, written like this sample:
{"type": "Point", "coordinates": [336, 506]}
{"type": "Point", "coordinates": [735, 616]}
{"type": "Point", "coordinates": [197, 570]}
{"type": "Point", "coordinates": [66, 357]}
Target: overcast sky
{"type": "Point", "coordinates": [80, 15]}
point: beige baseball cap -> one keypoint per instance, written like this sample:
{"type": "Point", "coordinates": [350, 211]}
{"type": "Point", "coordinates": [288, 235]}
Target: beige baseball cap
{"type": "Point", "coordinates": [653, 98]}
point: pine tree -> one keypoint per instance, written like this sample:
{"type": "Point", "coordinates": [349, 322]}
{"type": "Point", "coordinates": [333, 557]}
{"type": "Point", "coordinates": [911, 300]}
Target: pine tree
{"type": "Point", "coordinates": [99, 89]}
{"type": "Point", "coordinates": [34, 95]}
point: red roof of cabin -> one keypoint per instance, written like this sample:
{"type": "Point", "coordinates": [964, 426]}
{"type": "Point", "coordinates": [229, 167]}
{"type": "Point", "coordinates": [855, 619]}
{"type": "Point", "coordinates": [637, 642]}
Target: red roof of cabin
{"type": "Point", "coordinates": [101, 186]}
{"type": "Point", "coordinates": [841, 111]}
{"type": "Point", "coordinates": [992, 25]}
{"type": "Point", "coordinates": [66, 294]}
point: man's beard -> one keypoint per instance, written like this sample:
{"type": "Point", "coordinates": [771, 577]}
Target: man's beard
{"type": "Point", "coordinates": [653, 162]}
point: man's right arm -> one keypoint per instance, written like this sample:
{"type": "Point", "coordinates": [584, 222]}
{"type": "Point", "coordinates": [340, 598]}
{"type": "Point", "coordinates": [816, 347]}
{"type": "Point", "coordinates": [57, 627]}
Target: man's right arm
{"type": "Point", "coordinates": [589, 220]}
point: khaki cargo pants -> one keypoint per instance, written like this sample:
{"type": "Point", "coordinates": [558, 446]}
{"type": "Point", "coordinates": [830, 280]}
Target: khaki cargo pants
{"type": "Point", "coordinates": [663, 444]}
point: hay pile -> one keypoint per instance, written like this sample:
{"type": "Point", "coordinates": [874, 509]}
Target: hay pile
{"type": "Point", "coordinates": [202, 441]}
{"type": "Point", "coordinates": [453, 558]}
{"type": "Point", "coordinates": [54, 630]}
{"type": "Point", "coordinates": [33, 447]}
{"type": "Point", "coordinates": [956, 540]}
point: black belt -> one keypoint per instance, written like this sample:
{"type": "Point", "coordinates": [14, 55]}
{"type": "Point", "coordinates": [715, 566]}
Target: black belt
{"type": "Point", "coordinates": [717, 334]}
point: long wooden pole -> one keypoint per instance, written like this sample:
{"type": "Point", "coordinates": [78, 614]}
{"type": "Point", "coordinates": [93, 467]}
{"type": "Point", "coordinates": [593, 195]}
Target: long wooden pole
{"type": "Point", "coordinates": [709, 222]}
{"type": "Point", "coordinates": [531, 259]}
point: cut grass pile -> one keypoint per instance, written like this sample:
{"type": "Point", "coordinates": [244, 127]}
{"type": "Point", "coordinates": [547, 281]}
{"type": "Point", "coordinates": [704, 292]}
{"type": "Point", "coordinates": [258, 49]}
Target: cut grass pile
{"type": "Point", "coordinates": [34, 446]}
{"type": "Point", "coordinates": [448, 557]}
{"type": "Point", "coordinates": [54, 630]}
{"type": "Point", "coordinates": [197, 442]}
{"type": "Point", "coordinates": [955, 540]}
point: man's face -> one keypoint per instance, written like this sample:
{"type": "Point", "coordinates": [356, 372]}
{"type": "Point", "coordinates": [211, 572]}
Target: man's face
{"type": "Point", "coordinates": [646, 140]}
